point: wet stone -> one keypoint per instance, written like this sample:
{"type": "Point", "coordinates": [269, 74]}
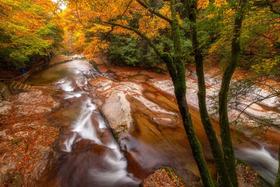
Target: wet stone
{"type": "Point", "coordinates": [118, 113]}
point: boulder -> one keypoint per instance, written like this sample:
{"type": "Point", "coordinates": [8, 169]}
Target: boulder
{"type": "Point", "coordinates": [117, 111]}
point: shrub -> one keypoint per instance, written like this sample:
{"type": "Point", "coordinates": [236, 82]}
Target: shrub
{"type": "Point", "coordinates": [126, 50]}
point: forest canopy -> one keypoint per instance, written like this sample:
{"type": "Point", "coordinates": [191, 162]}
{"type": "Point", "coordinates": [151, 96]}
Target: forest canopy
{"type": "Point", "coordinates": [87, 31]}
{"type": "Point", "coordinates": [28, 30]}
{"type": "Point", "coordinates": [218, 54]}
{"type": "Point", "coordinates": [32, 29]}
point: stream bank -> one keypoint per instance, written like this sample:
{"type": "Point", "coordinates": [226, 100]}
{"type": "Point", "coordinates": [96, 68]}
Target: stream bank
{"type": "Point", "coordinates": [26, 137]}
{"type": "Point", "coordinates": [119, 125]}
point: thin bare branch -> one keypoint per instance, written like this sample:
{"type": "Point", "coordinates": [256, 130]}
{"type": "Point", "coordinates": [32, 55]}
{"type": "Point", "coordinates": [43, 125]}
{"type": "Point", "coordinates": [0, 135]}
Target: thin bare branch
{"type": "Point", "coordinates": [142, 35]}
{"type": "Point", "coordinates": [254, 102]}
{"type": "Point", "coordinates": [112, 27]}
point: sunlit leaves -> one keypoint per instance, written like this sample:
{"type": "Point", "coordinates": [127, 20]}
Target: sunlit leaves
{"type": "Point", "coordinates": [267, 66]}
{"type": "Point", "coordinates": [30, 28]}
{"type": "Point", "coordinates": [83, 17]}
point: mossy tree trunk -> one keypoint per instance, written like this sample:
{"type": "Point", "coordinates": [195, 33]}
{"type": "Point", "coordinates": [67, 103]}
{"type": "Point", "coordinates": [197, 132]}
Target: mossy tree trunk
{"type": "Point", "coordinates": [179, 81]}
{"type": "Point", "coordinates": [176, 68]}
{"type": "Point", "coordinates": [223, 94]}
{"type": "Point", "coordinates": [190, 8]}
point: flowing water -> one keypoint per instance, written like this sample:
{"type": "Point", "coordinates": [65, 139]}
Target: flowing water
{"type": "Point", "coordinates": [87, 153]}
{"type": "Point", "coordinates": [262, 161]}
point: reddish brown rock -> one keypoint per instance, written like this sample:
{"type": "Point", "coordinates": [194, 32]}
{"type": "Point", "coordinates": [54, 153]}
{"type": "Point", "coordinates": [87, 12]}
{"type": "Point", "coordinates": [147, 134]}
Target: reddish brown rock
{"type": "Point", "coordinates": [26, 137]}
{"type": "Point", "coordinates": [118, 113]}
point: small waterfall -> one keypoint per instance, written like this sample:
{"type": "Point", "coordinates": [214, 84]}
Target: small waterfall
{"type": "Point", "coordinates": [83, 126]}
{"type": "Point", "coordinates": [262, 161]}
{"type": "Point", "coordinates": [89, 150]}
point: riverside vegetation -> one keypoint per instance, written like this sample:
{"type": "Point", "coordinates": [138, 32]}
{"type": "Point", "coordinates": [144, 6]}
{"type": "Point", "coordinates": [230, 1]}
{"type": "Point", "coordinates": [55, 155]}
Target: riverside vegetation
{"type": "Point", "coordinates": [186, 39]}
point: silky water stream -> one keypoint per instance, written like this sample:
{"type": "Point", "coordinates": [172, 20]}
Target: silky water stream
{"type": "Point", "coordinates": [87, 154]}
{"type": "Point", "coordinates": [86, 151]}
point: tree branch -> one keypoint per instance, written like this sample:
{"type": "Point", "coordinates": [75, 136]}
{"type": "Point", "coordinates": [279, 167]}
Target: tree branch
{"type": "Point", "coordinates": [158, 14]}
{"type": "Point", "coordinates": [142, 35]}
{"type": "Point", "coordinates": [78, 14]}
{"type": "Point", "coordinates": [254, 102]}
{"type": "Point", "coordinates": [272, 8]}
{"type": "Point", "coordinates": [153, 11]}
{"type": "Point", "coordinates": [164, 57]}
{"type": "Point", "coordinates": [112, 28]}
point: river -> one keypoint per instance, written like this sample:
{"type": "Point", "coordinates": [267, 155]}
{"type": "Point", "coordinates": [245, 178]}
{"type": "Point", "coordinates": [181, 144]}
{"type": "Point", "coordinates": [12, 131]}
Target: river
{"type": "Point", "coordinates": [87, 152]}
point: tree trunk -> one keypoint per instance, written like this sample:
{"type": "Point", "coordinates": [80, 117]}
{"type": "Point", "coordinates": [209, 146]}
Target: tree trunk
{"type": "Point", "coordinates": [223, 95]}
{"type": "Point", "coordinates": [208, 127]}
{"type": "Point", "coordinates": [180, 92]}
{"type": "Point", "coordinates": [179, 82]}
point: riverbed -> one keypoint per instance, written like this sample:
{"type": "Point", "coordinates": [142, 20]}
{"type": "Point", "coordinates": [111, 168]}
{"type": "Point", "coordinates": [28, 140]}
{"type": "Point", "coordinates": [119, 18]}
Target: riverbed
{"type": "Point", "coordinates": [118, 125]}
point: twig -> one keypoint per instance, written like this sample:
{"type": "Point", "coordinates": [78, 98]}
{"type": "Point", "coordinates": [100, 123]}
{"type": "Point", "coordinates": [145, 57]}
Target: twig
{"type": "Point", "coordinates": [155, 12]}
{"type": "Point", "coordinates": [112, 28]}
{"type": "Point", "coordinates": [254, 102]}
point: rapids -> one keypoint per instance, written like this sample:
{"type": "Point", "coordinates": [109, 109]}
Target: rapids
{"type": "Point", "coordinates": [88, 155]}
{"type": "Point", "coordinates": [87, 152]}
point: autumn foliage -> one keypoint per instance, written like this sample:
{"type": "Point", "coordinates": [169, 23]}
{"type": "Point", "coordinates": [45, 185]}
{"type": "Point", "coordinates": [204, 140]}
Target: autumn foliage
{"type": "Point", "coordinates": [86, 34]}
{"type": "Point", "coordinates": [28, 29]}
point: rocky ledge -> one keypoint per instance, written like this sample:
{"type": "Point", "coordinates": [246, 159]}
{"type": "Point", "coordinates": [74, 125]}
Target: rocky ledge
{"type": "Point", "coordinates": [26, 137]}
